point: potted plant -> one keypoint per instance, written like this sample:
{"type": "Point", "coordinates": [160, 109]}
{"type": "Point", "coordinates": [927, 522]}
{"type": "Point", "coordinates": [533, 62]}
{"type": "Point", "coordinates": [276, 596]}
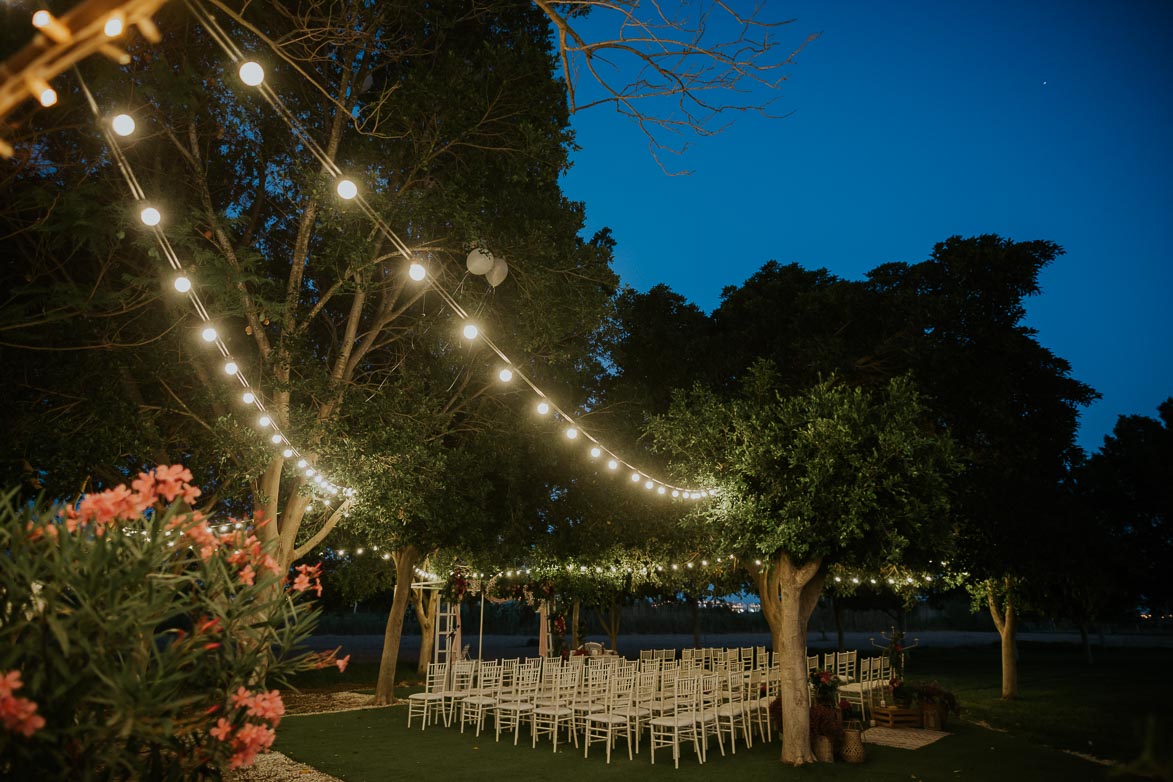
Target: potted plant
{"type": "Point", "coordinates": [824, 687]}
{"type": "Point", "coordinates": [936, 703]}
{"type": "Point", "coordinates": [826, 731]}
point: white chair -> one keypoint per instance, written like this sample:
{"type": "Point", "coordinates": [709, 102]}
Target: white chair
{"type": "Point", "coordinates": [604, 725]}
{"type": "Point", "coordinates": [483, 698]}
{"type": "Point", "coordinates": [548, 719]}
{"type": "Point", "coordinates": [458, 689]}
{"type": "Point", "coordinates": [732, 714]}
{"type": "Point", "coordinates": [812, 663]}
{"type": "Point", "coordinates": [520, 703]}
{"type": "Point", "coordinates": [678, 722]}
{"type": "Point", "coordinates": [859, 692]}
{"type": "Point", "coordinates": [430, 702]}
{"type": "Point", "coordinates": [708, 699]}
{"type": "Point", "coordinates": [845, 665]}
{"type": "Point", "coordinates": [639, 710]}
{"type": "Point", "coordinates": [591, 697]}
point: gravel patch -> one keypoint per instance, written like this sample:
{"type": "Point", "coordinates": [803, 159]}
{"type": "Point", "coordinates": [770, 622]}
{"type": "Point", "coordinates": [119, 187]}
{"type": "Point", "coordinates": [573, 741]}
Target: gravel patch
{"type": "Point", "coordinates": [275, 767]}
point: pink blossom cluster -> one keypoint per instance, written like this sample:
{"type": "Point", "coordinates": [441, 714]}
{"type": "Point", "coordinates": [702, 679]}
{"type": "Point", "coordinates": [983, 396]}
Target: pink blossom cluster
{"type": "Point", "coordinates": [101, 509]}
{"type": "Point", "coordinates": [326, 659]}
{"type": "Point", "coordinates": [248, 551]}
{"type": "Point", "coordinates": [306, 572]}
{"type": "Point", "coordinates": [19, 715]}
{"type": "Point", "coordinates": [250, 738]}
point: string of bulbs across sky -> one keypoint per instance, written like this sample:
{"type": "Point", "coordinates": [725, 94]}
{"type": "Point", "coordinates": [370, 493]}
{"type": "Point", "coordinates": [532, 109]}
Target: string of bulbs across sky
{"type": "Point", "coordinates": [252, 74]}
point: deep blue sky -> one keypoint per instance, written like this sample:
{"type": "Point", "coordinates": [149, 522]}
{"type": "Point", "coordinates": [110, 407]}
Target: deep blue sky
{"type": "Point", "coordinates": [915, 121]}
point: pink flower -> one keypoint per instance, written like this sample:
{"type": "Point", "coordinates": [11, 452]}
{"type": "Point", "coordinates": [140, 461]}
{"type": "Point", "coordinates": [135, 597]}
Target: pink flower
{"type": "Point", "coordinates": [247, 575]}
{"type": "Point", "coordinates": [172, 481]}
{"type": "Point", "coordinates": [267, 706]}
{"type": "Point", "coordinates": [222, 730]}
{"type": "Point", "coordinates": [18, 715]}
{"type": "Point", "coordinates": [342, 662]}
{"type": "Point", "coordinates": [301, 583]}
{"type": "Point", "coordinates": [241, 697]}
{"type": "Point", "coordinates": [10, 682]}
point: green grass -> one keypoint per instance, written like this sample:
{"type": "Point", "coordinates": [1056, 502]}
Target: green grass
{"type": "Point", "coordinates": [376, 745]}
{"type": "Point", "coordinates": [1065, 705]}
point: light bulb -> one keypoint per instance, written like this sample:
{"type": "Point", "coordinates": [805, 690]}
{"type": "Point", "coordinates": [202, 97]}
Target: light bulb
{"type": "Point", "coordinates": [543, 408]}
{"type": "Point", "coordinates": [675, 493]}
{"type": "Point", "coordinates": [150, 216]}
{"type": "Point", "coordinates": [635, 477]}
{"type": "Point", "coordinates": [648, 484]}
{"type": "Point", "coordinates": [571, 433]}
{"type": "Point", "coordinates": [310, 507]}
{"type": "Point", "coordinates": [252, 74]}
{"type": "Point", "coordinates": [309, 472]}
{"type": "Point", "coordinates": [359, 551]}
{"type": "Point", "coordinates": [113, 26]}
{"type": "Point", "coordinates": [249, 397]}
{"type": "Point", "coordinates": [596, 452]}
{"type": "Point", "coordinates": [347, 189]}
{"type": "Point", "coordinates": [301, 463]}
{"type": "Point", "coordinates": [417, 272]}
{"type": "Point", "coordinates": [661, 490]}
{"type": "Point", "coordinates": [182, 284]}
{"type": "Point", "coordinates": [318, 478]}
{"type": "Point", "coordinates": [265, 420]}
{"type": "Point", "coordinates": [287, 453]}
{"type": "Point", "coordinates": [123, 124]}
{"type": "Point", "coordinates": [505, 374]}
{"type": "Point", "coordinates": [470, 331]}
{"type": "Point", "coordinates": [47, 96]}
{"type": "Point", "coordinates": [41, 19]}
{"type": "Point", "coordinates": [612, 464]}
{"type": "Point", "coordinates": [208, 334]}
{"type": "Point", "coordinates": [230, 368]}
{"type": "Point", "coordinates": [276, 439]}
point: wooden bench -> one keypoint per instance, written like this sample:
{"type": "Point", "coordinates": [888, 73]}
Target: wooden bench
{"type": "Point", "coordinates": [894, 717]}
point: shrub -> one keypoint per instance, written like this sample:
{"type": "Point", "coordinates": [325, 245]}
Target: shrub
{"type": "Point", "coordinates": [143, 638]}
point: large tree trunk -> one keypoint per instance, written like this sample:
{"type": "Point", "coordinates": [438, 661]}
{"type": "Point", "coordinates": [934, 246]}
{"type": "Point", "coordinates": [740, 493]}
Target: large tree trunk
{"type": "Point", "coordinates": [1086, 642]}
{"type": "Point", "coordinates": [609, 620]}
{"type": "Point", "coordinates": [837, 606]}
{"type": "Point", "coordinates": [695, 610]}
{"type": "Point", "coordinates": [1006, 620]}
{"type": "Point", "coordinates": [426, 604]}
{"type": "Point", "coordinates": [405, 562]}
{"type": "Point", "coordinates": [789, 593]}
{"type": "Point", "coordinates": [575, 631]}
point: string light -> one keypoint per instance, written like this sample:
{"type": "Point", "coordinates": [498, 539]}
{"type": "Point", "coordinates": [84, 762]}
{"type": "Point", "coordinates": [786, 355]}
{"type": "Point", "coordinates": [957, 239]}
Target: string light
{"type": "Point", "coordinates": [114, 26]}
{"type": "Point", "coordinates": [230, 368]}
{"type": "Point", "coordinates": [209, 335]}
{"type": "Point", "coordinates": [612, 464]}
{"type": "Point", "coordinates": [123, 124]}
{"type": "Point", "coordinates": [264, 421]}
{"type": "Point", "coordinates": [249, 398]}
{"type": "Point", "coordinates": [596, 452]}
{"type": "Point", "coordinates": [347, 189]}
{"type": "Point", "coordinates": [182, 284]}
{"type": "Point", "coordinates": [150, 216]}
{"type": "Point", "coordinates": [571, 433]}
{"type": "Point", "coordinates": [505, 375]}
{"type": "Point", "coordinates": [543, 408]}
{"type": "Point", "coordinates": [470, 331]}
{"type": "Point", "coordinates": [417, 271]}
{"type": "Point", "coordinates": [252, 74]}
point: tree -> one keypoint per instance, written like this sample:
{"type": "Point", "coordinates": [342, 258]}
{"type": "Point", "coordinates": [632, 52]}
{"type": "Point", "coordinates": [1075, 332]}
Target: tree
{"type": "Point", "coordinates": [831, 475]}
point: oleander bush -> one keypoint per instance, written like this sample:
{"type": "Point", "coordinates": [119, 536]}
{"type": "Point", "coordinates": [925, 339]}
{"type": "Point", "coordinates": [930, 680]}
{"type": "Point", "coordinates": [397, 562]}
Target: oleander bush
{"type": "Point", "coordinates": [139, 639]}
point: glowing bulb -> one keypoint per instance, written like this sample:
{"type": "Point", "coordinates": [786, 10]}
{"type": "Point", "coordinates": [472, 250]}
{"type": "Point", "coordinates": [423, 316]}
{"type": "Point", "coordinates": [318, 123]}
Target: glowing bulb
{"type": "Point", "coordinates": [47, 96]}
{"type": "Point", "coordinates": [675, 493]}
{"type": "Point", "coordinates": [230, 368]}
{"type": "Point", "coordinates": [648, 485]}
{"type": "Point", "coordinates": [543, 408]}
{"type": "Point", "coordinates": [249, 397]}
{"type": "Point", "coordinates": [358, 551]}
{"type": "Point", "coordinates": [123, 124]}
{"type": "Point", "coordinates": [635, 477]}
{"type": "Point", "coordinates": [612, 464]}
{"type": "Point", "coordinates": [674, 567]}
{"type": "Point", "coordinates": [661, 490]}
{"type": "Point", "coordinates": [505, 375]}
{"type": "Point", "coordinates": [309, 472]}
{"type": "Point", "coordinates": [386, 556]}
{"type": "Point", "coordinates": [182, 284]}
{"type": "Point", "coordinates": [470, 331]}
{"type": "Point", "coordinates": [265, 420]}
{"type": "Point", "coordinates": [150, 216]}
{"type": "Point", "coordinates": [690, 566]}
{"type": "Point", "coordinates": [113, 26]}
{"type": "Point", "coordinates": [704, 563]}
{"type": "Point", "coordinates": [41, 19]}
{"type": "Point", "coordinates": [417, 272]}
{"type": "Point", "coordinates": [276, 439]}
{"type": "Point", "coordinates": [318, 478]}
{"type": "Point", "coordinates": [208, 334]}
{"type": "Point", "coordinates": [301, 463]}
{"type": "Point", "coordinates": [347, 189]}
{"type": "Point", "coordinates": [571, 433]}
{"type": "Point", "coordinates": [287, 453]}
{"type": "Point", "coordinates": [252, 74]}
{"type": "Point", "coordinates": [596, 452]}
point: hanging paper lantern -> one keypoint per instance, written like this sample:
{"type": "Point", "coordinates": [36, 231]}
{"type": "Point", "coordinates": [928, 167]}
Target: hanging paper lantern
{"type": "Point", "coordinates": [498, 273]}
{"type": "Point", "coordinates": [479, 261]}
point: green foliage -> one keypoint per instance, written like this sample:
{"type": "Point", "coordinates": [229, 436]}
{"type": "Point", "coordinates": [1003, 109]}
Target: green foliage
{"type": "Point", "coordinates": [835, 473]}
{"type": "Point", "coordinates": [137, 634]}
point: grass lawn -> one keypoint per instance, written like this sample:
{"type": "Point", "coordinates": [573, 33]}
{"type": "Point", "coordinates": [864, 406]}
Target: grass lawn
{"type": "Point", "coordinates": [1065, 705]}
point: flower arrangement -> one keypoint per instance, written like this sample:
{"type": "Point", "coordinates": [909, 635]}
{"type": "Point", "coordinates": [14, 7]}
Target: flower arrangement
{"type": "Point", "coordinates": [824, 687]}
{"type": "Point", "coordinates": [932, 694]}
{"type": "Point", "coordinates": [143, 640]}
{"type": "Point", "coordinates": [900, 692]}
{"type": "Point", "coordinates": [825, 722]}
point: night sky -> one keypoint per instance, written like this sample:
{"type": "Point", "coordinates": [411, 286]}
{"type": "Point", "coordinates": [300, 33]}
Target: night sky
{"type": "Point", "coordinates": [915, 121]}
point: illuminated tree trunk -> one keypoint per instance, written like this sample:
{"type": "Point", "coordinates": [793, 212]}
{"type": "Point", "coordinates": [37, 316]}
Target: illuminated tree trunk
{"type": "Point", "coordinates": [405, 561]}
{"type": "Point", "coordinates": [609, 620]}
{"type": "Point", "coordinates": [1006, 620]}
{"type": "Point", "coordinates": [575, 631]}
{"type": "Point", "coordinates": [789, 593]}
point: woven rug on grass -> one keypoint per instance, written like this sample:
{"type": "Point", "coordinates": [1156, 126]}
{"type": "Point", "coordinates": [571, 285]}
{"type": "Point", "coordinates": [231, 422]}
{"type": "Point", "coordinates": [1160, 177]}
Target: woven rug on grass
{"type": "Point", "coordinates": [904, 738]}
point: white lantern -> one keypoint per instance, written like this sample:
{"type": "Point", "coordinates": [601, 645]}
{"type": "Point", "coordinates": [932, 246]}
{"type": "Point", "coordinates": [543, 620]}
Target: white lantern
{"type": "Point", "coordinates": [479, 261]}
{"type": "Point", "coordinates": [497, 274]}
